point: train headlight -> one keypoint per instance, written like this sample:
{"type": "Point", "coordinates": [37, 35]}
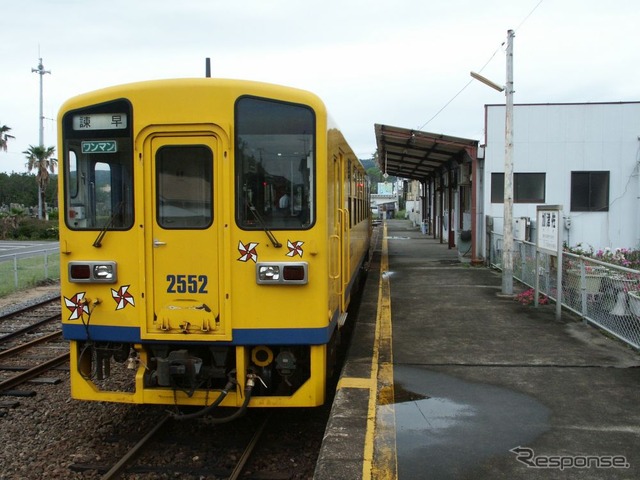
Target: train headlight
{"type": "Point", "coordinates": [282, 273]}
{"type": "Point", "coordinates": [104, 272]}
{"type": "Point", "coordinates": [93, 272]}
{"type": "Point", "coordinates": [268, 273]}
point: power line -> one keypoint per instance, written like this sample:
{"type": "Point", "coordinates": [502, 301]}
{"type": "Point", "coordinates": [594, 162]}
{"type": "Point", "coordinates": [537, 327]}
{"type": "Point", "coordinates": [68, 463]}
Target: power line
{"type": "Point", "coordinates": [527, 17]}
{"type": "Point", "coordinates": [481, 69]}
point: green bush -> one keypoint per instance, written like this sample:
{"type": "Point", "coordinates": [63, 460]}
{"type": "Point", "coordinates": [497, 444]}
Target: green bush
{"type": "Point", "coordinates": [34, 229]}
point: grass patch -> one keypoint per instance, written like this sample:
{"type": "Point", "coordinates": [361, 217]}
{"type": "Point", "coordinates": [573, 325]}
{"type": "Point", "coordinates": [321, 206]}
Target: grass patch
{"type": "Point", "coordinates": [30, 272]}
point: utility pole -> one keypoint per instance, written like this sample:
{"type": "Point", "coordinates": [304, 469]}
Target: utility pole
{"type": "Point", "coordinates": [507, 247]}
{"type": "Point", "coordinates": [40, 71]}
{"type": "Point", "coordinates": [507, 230]}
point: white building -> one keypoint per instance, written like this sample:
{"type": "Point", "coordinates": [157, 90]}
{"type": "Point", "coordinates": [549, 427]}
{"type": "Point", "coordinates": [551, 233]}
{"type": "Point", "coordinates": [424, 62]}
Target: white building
{"type": "Point", "coordinates": [581, 156]}
{"type": "Point", "coordinates": [584, 157]}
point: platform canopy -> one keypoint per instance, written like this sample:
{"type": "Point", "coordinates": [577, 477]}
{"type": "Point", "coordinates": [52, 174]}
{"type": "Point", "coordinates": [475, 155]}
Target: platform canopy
{"type": "Point", "coordinates": [417, 155]}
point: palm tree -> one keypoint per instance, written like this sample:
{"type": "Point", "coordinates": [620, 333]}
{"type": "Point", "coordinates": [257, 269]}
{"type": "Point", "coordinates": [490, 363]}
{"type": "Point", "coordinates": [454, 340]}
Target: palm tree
{"type": "Point", "coordinates": [4, 137]}
{"type": "Point", "coordinates": [40, 159]}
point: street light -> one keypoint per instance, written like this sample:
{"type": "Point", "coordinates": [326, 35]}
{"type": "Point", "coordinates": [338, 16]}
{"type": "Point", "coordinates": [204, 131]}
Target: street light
{"type": "Point", "coordinates": [486, 81]}
{"type": "Point", "coordinates": [507, 247]}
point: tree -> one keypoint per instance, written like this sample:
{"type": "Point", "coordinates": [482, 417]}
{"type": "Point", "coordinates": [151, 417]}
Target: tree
{"type": "Point", "coordinates": [4, 137]}
{"type": "Point", "coordinates": [375, 177]}
{"type": "Point", "coordinates": [40, 159]}
{"type": "Point", "coordinates": [18, 188]}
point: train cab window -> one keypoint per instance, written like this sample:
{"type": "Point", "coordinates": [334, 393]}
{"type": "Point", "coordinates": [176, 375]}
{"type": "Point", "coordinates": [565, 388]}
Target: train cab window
{"type": "Point", "coordinates": [184, 186]}
{"type": "Point", "coordinates": [275, 164]}
{"type": "Point", "coordinates": [98, 190]}
{"type": "Point", "coordinates": [98, 167]}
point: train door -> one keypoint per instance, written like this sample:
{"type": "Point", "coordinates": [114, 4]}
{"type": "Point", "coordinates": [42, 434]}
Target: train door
{"type": "Point", "coordinates": [340, 230]}
{"type": "Point", "coordinates": [345, 185]}
{"type": "Point", "coordinates": [184, 240]}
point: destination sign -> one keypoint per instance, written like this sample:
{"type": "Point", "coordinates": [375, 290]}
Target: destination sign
{"type": "Point", "coordinates": [99, 146]}
{"type": "Point", "coordinates": [100, 121]}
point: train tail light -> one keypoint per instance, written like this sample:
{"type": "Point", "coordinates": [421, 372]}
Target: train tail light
{"type": "Point", "coordinates": [79, 272]}
{"type": "Point", "coordinates": [93, 272]}
{"type": "Point", "coordinates": [293, 272]}
{"type": "Point", "coordinates": [282, 273]}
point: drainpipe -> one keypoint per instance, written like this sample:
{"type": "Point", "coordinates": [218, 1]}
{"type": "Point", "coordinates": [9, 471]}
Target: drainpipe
{"type": "Point", "coordinates": [451, 239]}
{"type": "Point", "coordinates": [638, 197]}
{"type": "Point", "coordinates": [473, 191]}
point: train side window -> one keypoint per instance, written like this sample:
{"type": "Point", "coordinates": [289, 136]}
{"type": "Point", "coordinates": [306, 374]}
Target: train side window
{"type": "Point", "coordinates": [275, 164]}
{"type": "Point", "coordinates": [72, 174]}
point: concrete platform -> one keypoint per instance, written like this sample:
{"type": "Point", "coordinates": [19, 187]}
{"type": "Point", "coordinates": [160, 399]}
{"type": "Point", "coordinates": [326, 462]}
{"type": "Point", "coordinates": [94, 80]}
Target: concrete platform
{"type": "Point", "coordinates": [445, 379]}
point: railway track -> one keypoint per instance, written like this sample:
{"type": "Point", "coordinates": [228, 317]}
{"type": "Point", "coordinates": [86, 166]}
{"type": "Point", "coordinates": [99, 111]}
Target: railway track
{"type": "Point", "coordinates": [30, 345]}
{"type": "Point", "coordinates": [127, 462]}
{"type": "Point", "coordinates": [198, 450]}
{"type": "Point", "coordinates": [41, 316]}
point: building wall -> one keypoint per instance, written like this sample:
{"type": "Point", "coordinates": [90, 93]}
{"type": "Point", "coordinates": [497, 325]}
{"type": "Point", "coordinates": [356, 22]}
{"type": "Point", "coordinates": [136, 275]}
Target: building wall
{"type": "Point", "coordinates": [414, 203]}
{"type": "Point", "coordinates": [560, 138]}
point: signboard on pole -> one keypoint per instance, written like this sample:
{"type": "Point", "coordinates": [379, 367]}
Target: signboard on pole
{"type": "Point", "coordinates": [549, 241]}
{"type": "Point", "coordinates": [548, 224]}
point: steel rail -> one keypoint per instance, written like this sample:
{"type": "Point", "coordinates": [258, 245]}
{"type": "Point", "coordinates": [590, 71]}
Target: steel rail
{"type": "Point", "coordinates": [31, 307]}
{"type": "Point", "coordinates": [24, 346]}
{"type": "Point", "coordinates": [237, 471]}
{"type": "Point", "coordinates": [28, 328]}
{"type": "Point", "coordinates": [33, 372]}
{"type": "Point", "coordinates": [117, 468]}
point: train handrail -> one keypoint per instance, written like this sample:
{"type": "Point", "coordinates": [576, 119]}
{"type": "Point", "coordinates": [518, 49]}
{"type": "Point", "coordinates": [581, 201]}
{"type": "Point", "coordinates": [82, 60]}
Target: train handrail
{"type": "Point", "coordinates": [334, 264]}
{"type": "Point", "coordinates": [346, 239]}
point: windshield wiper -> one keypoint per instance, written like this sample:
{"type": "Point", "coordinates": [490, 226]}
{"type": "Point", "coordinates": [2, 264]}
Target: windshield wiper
{"type": "Point", "coordinates": [98, 241]}
{"type": "Point", "coordinates": [257, 216]}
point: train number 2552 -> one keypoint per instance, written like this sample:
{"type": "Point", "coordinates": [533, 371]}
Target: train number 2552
{"type": "Point", "coordinates": [187, 283]}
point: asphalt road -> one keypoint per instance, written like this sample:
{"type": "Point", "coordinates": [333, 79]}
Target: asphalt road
{"type": "Point", "coordinates": [11, 248]}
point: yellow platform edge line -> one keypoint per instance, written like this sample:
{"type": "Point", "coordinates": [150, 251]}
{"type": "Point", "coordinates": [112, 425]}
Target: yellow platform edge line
{"type": "Point", "coordinates": [380, 459]}
{"type": "Point", "coordinates": [355, 382]}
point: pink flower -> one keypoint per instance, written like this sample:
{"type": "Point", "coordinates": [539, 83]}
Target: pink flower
{"type": "Point", "coordinates": [528, 296]}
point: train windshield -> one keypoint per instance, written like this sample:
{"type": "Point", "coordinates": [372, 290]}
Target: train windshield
{"type": "Point", "coordinates": [98, 158]}
{"type": "Point", "coordinates": [275, 164]}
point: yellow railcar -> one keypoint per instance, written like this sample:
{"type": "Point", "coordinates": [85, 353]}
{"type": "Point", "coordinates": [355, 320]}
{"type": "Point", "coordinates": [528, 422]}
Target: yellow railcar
{"type": "Point", "coordinates": [211, 233]}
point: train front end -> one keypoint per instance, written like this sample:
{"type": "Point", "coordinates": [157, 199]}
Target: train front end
{"type": "Point", "coordinates": [200, 244]}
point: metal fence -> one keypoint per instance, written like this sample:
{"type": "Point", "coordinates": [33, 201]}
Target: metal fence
{"type": "Point", "coordinates": [19, 271]}
{"type": "Point", "coordinates": [603, 294]}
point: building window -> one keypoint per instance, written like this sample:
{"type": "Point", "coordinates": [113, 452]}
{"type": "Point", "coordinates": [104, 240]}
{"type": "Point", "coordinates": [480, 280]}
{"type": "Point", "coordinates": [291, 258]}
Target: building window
{"type": "Point", "coordinates": [527, 187]}
{"type": "Point", "coordinates": [589, 191]}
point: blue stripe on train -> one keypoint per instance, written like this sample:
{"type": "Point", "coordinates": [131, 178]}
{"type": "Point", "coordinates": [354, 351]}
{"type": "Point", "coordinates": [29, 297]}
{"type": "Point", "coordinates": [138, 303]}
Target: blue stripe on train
{"type": "Point", "coordinates": [250, 336]}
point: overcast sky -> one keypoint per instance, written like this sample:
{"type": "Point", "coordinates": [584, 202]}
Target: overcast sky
{"type": "Point", "coordinates": [392, 62]}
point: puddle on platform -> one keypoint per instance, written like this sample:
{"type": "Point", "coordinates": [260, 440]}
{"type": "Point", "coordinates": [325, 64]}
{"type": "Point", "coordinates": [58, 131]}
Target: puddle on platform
{"type": "Point", "coordinates": [400, 395]}
{"type": "Point", "coordinates": [446, 426]}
